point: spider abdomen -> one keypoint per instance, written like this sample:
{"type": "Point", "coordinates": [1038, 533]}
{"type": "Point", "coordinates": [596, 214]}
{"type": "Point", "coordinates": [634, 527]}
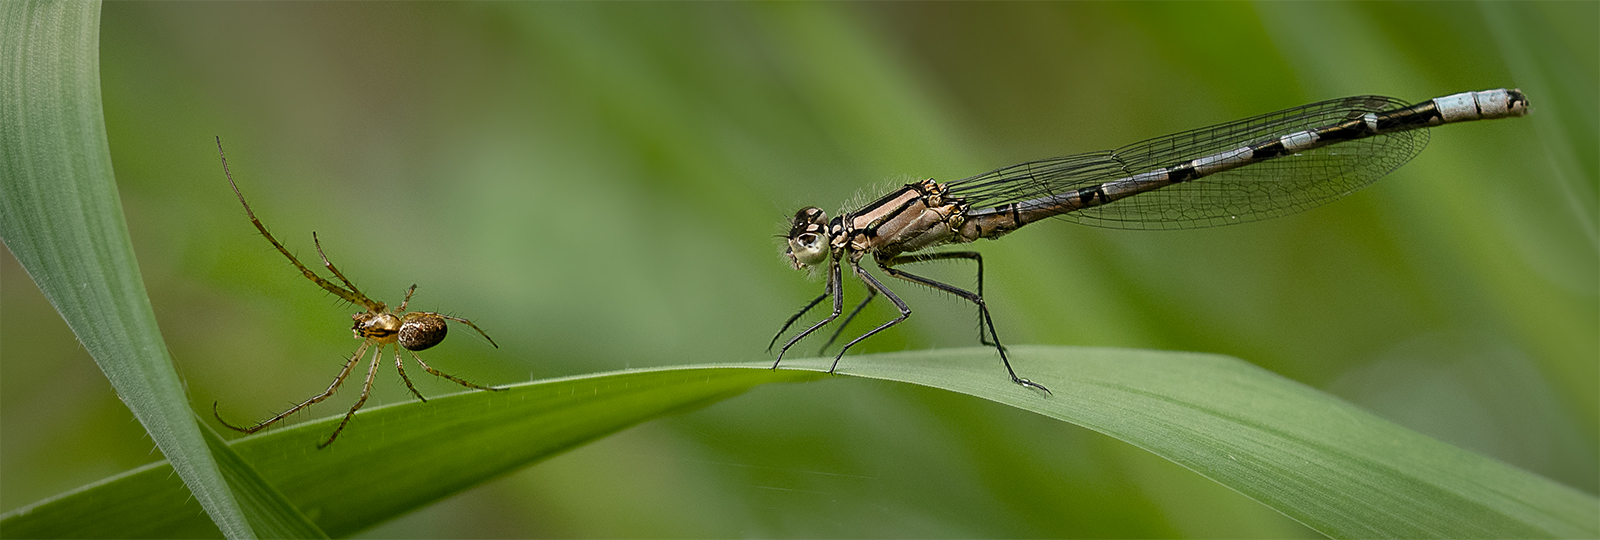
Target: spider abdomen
{"type": "Point", "coordinates": [420, 330]}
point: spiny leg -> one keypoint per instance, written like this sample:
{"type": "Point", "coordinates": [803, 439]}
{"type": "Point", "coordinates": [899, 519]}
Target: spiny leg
{"type": "Point", "coordinates": [366, 390]}
{"type": "Point", "coordinates": [796, 317]}
{"type": "Point", "coordinates": [400, 366]}
{"type": "Point", "coordinates": [983, 330]}
{"type": "Point", "coordinates": [452, 378]}
{"type": "Point", "coordinates": [307, 403]}
{"type": "Point", "coordinates": [407, 301]}
{"type": "Point", "coordinates": [871, 293]}
{"type": "Point", "coordinates": [352, 297]}
{"type": "Point", "coordinates": [983, 312]}
{"type": "Point", "coordinates": [468, 323]}
{"type": "Point", "coordinates": [874, 284]}
{"type": "Point", "coordinates": [837, 290]}
{"type": "Point", "coordinates": [367, 302]}
{"type": "Point", "coordinates": [409, 291]}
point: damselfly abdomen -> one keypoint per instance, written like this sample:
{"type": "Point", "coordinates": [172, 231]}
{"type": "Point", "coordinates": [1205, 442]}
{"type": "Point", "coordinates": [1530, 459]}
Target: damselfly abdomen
{"type": "Point", "coordinates": [1257, 168]}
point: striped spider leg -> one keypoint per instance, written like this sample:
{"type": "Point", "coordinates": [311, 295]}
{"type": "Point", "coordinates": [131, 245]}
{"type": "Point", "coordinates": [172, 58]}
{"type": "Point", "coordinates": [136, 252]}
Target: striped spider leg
{"type": "Point", "coordinates": [378, 327]}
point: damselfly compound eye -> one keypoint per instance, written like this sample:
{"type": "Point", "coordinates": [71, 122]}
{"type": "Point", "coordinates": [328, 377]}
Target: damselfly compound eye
{"type": "Point", "coordinates": [808, 249]}
{"type": "Point", "coordinates": [808, 239]}
{"type": "Point", "coordinates": [376, 326]}
{"type": "Point", "coordinates": [807, 219]}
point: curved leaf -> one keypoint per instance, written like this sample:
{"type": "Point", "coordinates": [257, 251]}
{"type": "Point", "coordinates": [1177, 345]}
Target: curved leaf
{"type": "Point", "coordinates": [1329, 464]}
{"type": "Point", "coordinates": [397, 458]}
{"type": "Point", "coordinates": [1313, 457]}
{"type": "Point", "coordinates": [61, 217]}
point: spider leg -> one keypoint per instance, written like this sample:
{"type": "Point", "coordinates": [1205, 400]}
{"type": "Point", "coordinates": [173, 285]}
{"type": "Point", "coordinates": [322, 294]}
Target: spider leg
{"type": "Point", "coordinates": [452, 378]}
{"type": "Point", "coordinates": [307, 403]}
{"type": "Point", "coordinates": [468, 323]}
{"type": "Point", "coordinates": [409, 292]}
{"type": "Point", "coordinates": [366, 391]}
{"type": "Point", "coordinates": [401, 367]}
{"type": "Point", "coordinates": [366, 302]}
{"type": "Point", "coordinates": [352, 296]}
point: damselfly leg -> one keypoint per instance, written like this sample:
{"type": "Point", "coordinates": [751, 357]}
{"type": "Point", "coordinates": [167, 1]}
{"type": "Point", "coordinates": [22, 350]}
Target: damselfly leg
{"type": "Point", "coordinates": [985, 321]}
{"type": "Point", "coordinates": [786, 324]}
{"type": "Point", "coordinates": [834, 290]}
{"type": "Point", "coordinates": [876, 286]}
{"type": "Point", "coordinates": [983, 330]}
{"type": "Point", "coordinates": [839, 329]}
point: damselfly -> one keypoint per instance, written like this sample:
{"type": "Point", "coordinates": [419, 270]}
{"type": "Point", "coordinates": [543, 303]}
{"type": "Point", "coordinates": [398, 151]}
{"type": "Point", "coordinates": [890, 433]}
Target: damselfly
{"type": "Point", "coordinates": [1257, 168]}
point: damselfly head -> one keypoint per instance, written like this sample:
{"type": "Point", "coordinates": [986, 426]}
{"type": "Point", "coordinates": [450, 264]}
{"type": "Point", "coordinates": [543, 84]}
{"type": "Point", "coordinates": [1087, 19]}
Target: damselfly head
{"type": "Point", "coordinates": [808, 238]}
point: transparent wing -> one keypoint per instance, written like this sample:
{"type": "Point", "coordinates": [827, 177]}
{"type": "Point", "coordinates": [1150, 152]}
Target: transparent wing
{"type": "Point", "coordinates": [1267, 189]}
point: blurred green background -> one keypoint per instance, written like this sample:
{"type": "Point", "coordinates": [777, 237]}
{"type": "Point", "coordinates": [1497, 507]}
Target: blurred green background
{"type": "Point", "coordinates": [598, 186]}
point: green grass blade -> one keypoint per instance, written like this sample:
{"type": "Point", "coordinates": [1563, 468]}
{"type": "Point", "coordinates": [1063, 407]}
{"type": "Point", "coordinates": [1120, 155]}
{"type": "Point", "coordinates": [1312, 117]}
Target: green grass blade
{"type": "Point", "coordinates": [397, 458]}
{"type": "Point", "coordinates": [1322, 461]}
{"type": "Point", "coordinates": [1329, 464]}
{"type": "Point", "coordinates": [61, 217]}
{"type": "Point", "coordinates": [267, 509]}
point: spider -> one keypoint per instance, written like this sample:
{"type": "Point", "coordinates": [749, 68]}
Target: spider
{"type": "Point", "coordinates": [378, 325]}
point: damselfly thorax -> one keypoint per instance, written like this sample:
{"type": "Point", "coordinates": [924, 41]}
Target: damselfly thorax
{"type": "Point", "coordinates": [1252, 169]}
{"type": "Point", "coordinates": [915, 217]}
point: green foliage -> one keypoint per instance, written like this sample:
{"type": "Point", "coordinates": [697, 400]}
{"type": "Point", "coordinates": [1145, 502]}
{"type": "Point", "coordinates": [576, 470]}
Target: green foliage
{"type": "Point", "coordinates": [597, 186]}
{"type": "Point", "coordinates": [63, 222]}
{"type": "Point", "coordinates": [267, 509]}
{"type": "Point", "coordinates": [398, 458]}
{"type": "Point", "coordinates": [1332, 466]}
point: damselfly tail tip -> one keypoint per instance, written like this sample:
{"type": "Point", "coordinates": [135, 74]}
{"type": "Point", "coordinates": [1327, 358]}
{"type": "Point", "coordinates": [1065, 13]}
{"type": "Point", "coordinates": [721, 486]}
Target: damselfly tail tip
{"type": "Point", "coordinates": [1484, 105]}
{"type": "Point", "coordinates": [1519, 102]}
{"type": "Point", "coordinates": [1502, 102]}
